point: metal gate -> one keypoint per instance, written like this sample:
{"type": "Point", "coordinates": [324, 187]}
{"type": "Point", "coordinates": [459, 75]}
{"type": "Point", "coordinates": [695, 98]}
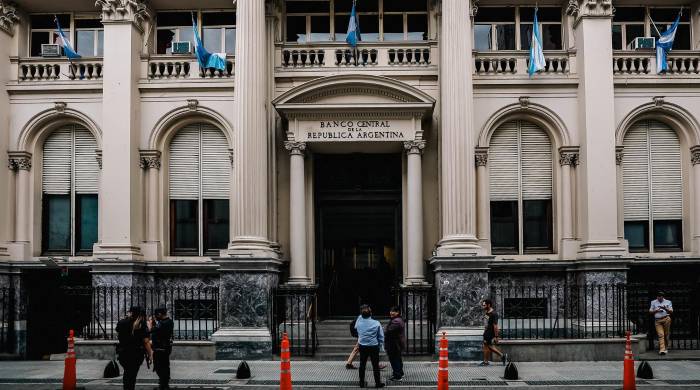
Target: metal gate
{"type": "Point", "coordinates": [417, 304]}
{"type": "Point", "coordinates": [293, 310]}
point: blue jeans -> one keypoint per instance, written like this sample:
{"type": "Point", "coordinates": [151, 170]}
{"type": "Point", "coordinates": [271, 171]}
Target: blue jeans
{"type": "Point", "coordinates": [396, 364]}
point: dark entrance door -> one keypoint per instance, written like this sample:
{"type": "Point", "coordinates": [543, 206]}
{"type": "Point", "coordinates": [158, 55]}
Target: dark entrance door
{"type": "Point", "coordinates": [358, 231]}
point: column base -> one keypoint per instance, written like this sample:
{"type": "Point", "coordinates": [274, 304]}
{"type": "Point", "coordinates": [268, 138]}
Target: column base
{"type": "Point", "coordinates": [243, 344]}
{"type": "Point", "coordinates": [415, 281]}
{"type": "Point", "coordinates": [300, 281]}
{"type": "Point", "coordinates": [459, 246]}
{"type": "Point", "coordinates": [602, 249]}
{"type": "Point", "coordinates": [463, 343]}
{"type": "Point", "coordinates": [252, 247]}
{"type": "Point", "coordinates": [18, 250]}
{"type": "Point", "coordinates": [461, 284]}
{"type": "Point", "coordinates": [695, 245]}
{"type": "Point", "coordinates": [569, 248]}
{"type": "Point", "coordinates": [152, 250]}
{"type": "Point", "coordinates": [117, 252]}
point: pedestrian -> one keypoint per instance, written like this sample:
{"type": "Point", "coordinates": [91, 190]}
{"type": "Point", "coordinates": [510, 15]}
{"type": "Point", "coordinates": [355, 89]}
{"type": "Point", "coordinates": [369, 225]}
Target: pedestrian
{"type": "Point", "coordinates": [371, 339]}
{"type": "Point", "coordinates": [355, 349]}
{"type": "Point", "coordinates": [395, 343]}
{"type": "Point", "coordinates": [662, 309]}
{"type": "Point", "coordinates": [491, 334]}
{"type": "Point", "coordinates": [162, 341]}
{"type": "Point", "coordinates": [134, 345]}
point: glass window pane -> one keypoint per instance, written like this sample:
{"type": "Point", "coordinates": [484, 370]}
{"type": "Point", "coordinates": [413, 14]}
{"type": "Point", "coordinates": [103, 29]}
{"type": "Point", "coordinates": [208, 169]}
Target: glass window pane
{"type": "Point", "coordinates": [341, 27]}
{"type": "Point", "coordinates": [537, 226]}
{"type": "Point", "coordinates": [362, 6]}
{"type": "Point", "coordinates": [504, 227]}
{"type": "Point", "coordinates": [39, 38]}
{"type": "Point", "coordinates": [218, 19]}
{"type": "Point", "coordinates": [164, 39]}
{"type": "Point", "coordinates": [668, 236]}
{"type": "Point", "coordinates": [87, 222]}
{"type": "Point", "coordinates": [629, 14]}
{"type": "Point", "coordinates": [417, 27]}
{"type": "Point", "coordinates": [617, 37]}
{"type": "Point", "coordinates": [544, 14]}
{"type": "Point", "coordinates": [56, 223]}
{"type": "Point", "coordinates": [525, 36]}
{"type": "Point", "coordinates": [88, 23]}
{"type": "Point", "coordinates": [211, 37]}
{"type": "Point", "coordinates": [482, 37]}
{"type": "Point", "coordinates": [216, 224]}
{"type": "Point", "coordinates": [230, 40]}
{"type": "Point", "coordinates": [682, 40]}
{"type": "Point", "coordinates": [186, 35]}
{"type": "Point", "coordinates": [320, 28]}
{"type": "Point", "coordinates": [100, 43]}
{"type": "Point", "coordinates": [393, 27]}
{"type": "Point", "coordinates": [296, 29]}
{"type": "Point", "coordinates": [405, 5]}
{"type": "Point", "coordinates": [667, 15]}
{"type": "Point", "coordinates": [633, 31]}
{"type": "Point", "coordinates": [369, 27]}
{"type": "Point", "coordinates": [505, 36]}
{"type": "Point", "coordinates": [495, 14]}
{"type": "Point", "coordinates": [173, 19]}
{"type": "Point", "coordinates": [551, 37]}
{"type": "Point", "coordinates": [637, 235]}
{"type": "Point", "coordinates": [305, 7]}
{"type": "Point", "coordinates": [85, 42]}
{"type": "Point", "coordinates": [184, 236]}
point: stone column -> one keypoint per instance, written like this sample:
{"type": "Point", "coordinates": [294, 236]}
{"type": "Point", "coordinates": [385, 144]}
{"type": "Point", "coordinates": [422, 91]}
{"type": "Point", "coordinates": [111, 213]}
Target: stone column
{"type": "Point", "coordinates": [297, 213]}
{"type": "Point", "coordinates": [150, 163]}
{"type": "Point", "coordinates": [414, 211]}
{"type": "Point", "coordinates": [483, 217]}
{"type": "Point", "coordinates": [249, 206]}
{"type": "Point", "coordinates": [568, 159]}
{"type": "Point", "coordinates": [619, 153]}
{"type": "Point", "coordinates": [121, 222]}
{"type": "Point", "coordinates": [458, 194]}
{"type": "Point", "coordinates": [695, 160]}
{"type": "Point", "coordinates": [21, 164]}
{"type": "Point", "coordinates": [598, 187]}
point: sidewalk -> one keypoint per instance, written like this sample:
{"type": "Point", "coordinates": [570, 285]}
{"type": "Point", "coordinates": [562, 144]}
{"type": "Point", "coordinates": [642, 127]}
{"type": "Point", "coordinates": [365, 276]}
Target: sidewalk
{"type": "Point", "coordinates": [316, 374]}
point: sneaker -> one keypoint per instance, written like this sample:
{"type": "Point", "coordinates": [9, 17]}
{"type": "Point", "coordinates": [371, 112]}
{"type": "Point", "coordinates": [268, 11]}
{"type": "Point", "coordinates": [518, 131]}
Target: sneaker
{"type": "Point", "coordinates": [395, 379]}
{"type": "Point", "coordinates": [382, 366]}
{"type": "Point", "coordinates": [349, 366]}
{"type": "Point", "coordinates": [484, 363]}
{"type": "Point", "coordinates": [379, 385]}
{"type": "Point", "coordinates": [504, 359]}
{"type": "Point", "coordinates": [662, 352]}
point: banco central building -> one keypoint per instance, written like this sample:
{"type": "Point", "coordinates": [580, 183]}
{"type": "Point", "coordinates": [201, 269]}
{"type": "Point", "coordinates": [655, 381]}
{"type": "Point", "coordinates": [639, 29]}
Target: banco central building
{"type": "Point", "coordinates": [423, 167]}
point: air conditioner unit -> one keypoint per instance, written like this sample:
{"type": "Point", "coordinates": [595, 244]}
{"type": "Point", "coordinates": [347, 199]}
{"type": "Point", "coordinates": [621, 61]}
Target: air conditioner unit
{"type": "Point", "coordinates": [181, 47]}
{"type": "Point", "coordinates": [643, 43]}
{"type": "Point", "coordinates": [50, 50]}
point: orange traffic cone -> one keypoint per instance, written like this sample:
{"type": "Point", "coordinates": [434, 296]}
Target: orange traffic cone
{"type": "Point", "coordinates": [285, 365]}
{"type": "Point", "coordinates": [69, 380]}
{"type": "Point", "coordinates": [443, 380]}
{"type": "Point", "coordinates": [628, 379]}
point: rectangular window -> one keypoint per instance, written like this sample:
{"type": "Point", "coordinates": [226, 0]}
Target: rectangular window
{"type": "Point", "coordinates": [172, 27]}
{"type": "Point", "coordinates": [537, 226]}
{"type": "Point", "coordinates": [632, 22]}
{"type": "Point", "coordinates": [296, 29]}
{"type": "Point", "coordinates": [216, 225]}
{"type": "Point", "coordinates": [504, 227]}
{"type": "Point", "coordinates": [56, 224]}
{"type": "Point", "coordinates": [219, 32]}
{"type": "Point", "coordinates": [86, 222]}
{"type": "Point", "coordinates": [89, 37]}
{"type": "Point", "coordinates": [668, 236]}
{"type": "Point", "coordinates": [495, 28]}
{"type": "Point", "coordinates": [184, 232]}
{"type": "Point", "coordinates": [308, 21]}
{"type": "Point", "coordinates": [43, 31]}
{"type": "Point", "coordinates": [637, 235]}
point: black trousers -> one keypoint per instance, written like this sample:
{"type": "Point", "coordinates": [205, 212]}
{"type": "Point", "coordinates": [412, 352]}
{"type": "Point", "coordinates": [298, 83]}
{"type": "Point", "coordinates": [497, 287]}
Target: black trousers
{"type": "Point", "coordinates": [161, 365]}
{"type": "Point", "coordinates": [396, 363]}
{"type": "Point", "coordinates": [371, 352]}
{"type": "Point", "coordinates": [131, 362]}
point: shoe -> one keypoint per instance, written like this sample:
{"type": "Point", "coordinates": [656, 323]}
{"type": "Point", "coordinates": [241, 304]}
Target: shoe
{"type": "Point", "coordinates": [504, 359]}
{"type": "Point", "coordinates": [349, 366]}
{"type": "Point", "coordinates": [382, 366]}
{"type": "Point", "coordinates": [395, 379]}
{"type": "Point", "coordinates": [662, 352]}
{"type": "Point", "coordinates": [379, 385]}
{"type": "Point", "coordinates": [484, 363]}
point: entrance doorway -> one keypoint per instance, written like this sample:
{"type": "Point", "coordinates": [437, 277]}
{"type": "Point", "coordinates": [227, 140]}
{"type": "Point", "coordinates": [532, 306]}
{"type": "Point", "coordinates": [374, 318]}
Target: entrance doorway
{"type": "Point", "coordinates": [358, 231]}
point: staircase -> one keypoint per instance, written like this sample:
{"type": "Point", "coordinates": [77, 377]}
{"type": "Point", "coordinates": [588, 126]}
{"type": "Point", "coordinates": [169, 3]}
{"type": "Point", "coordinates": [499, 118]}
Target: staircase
{"type": "Point", "coordinates": [334, 339]}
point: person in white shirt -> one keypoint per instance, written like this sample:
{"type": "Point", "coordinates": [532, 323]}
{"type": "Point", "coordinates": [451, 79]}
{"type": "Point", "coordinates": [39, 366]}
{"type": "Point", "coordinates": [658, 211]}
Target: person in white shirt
{"type": "Point", "coordinates": [662, 309]}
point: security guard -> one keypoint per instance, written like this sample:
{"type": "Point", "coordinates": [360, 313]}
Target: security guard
{"type": "Point", "coordinates": [162, 339]}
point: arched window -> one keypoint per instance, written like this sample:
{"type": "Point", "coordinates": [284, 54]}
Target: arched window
{"type": "Point", "coordinates": [653, 188]}
{"type": "Point", "coordinates": [520, 168]}
{"type": "Point", "coordinates": [70, 184]}
{"type": "Point", "coordinates": [199, 175]}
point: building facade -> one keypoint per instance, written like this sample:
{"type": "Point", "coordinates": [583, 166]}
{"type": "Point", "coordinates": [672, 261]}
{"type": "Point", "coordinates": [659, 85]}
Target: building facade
{"type": "Point", "coordinates": [426, 156]}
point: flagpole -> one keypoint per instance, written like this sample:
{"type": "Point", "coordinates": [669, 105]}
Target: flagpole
{"type": "Point", "coordinates": [356, 51]}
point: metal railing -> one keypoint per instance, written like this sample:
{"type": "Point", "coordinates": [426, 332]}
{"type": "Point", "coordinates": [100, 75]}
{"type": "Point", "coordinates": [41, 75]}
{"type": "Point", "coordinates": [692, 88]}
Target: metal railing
{"type": "Point", "coordinates": [293, 310]}
{"type": "Point", "coordinates": [194, 310]}
{"type": "Point", "coordinates": [562, 311]}
{"type": "Point", "coordinates": [7, 319]}
{"type": "Point", "coordinates": [418, 309]}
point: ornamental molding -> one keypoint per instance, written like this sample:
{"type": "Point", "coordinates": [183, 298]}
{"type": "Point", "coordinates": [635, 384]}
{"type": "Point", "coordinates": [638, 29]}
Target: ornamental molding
{"type": "Point", "coordinates": [524, 101]}
{"type": "Point", "coordinates": [619, 154]}
{"type": "Point", "coordinates": [60, 107]}
{"type": "Point", "coordinates": [659, 101]}
{"type": "Point", "coordinates": [192, 104]}
{"type": "Point", "coordinates": [695, 155]}
{"type": "Point", "coordinates": [414, 147]}
{"type": "Point", "coordinates": [295, 148]}
{"type": "Point", "coordinates": [569, 158]}
{"type": "Point", "coordinates": [19, 160]}
{"type": "Point", "coordinates": [396, 114]}
{"type": "Point", "coordinates": [481, 157]}
{"type": "Point", "coordinates": [149, 159]}
{"type": "Point", "coordinates": [474, 8]}
{"type": "Point", "coordinates": [589, 9]}
{"type": "Point", "coordinates": [353, 91]}
{"type": "Point", "coordinates": [120, 11]}
{"type": "Point", "coordinates": [9, 16]}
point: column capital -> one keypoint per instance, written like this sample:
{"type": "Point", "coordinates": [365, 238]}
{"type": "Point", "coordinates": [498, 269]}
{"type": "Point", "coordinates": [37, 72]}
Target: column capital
{"type": "Point", "coordinates": [149, 159]}
{"type": "Point", "coordinates": [414, 147]}
{"type": "Point", "coordinates": [125, 11]}
{"type": "Point", "coordinates": [9, 16]}
{"type": "Point", "coordinates": [19, 160]}
{"type": "Point", "coordinates": [695, 155]}
{"type": "Point", "coordinates": [580, 9]}
{"type": "Point", "coordinates": [295, 147]}
{"type": "Point", "coordinates": [619, 153]}
{"type": "Point", "coordinates": [481, 157]}
{"type": "Point", "coordinates": [569, 156]}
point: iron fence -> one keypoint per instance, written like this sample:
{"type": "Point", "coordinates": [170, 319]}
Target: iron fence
{"type": "Point", "coordinates": [293, 310]}
{"type": "Point", "coordinates": [563, 311]}
{"type": "Point", "coordinates": [7, 319]}
{"type": "Point", "coordinates": [194, 310]}
{"type": "Point", "coordinates": [417, 304]}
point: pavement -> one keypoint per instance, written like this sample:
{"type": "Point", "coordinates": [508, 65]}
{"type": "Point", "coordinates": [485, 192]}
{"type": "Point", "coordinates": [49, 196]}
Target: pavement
{"type": "Point", "coordinates": [220, 375]}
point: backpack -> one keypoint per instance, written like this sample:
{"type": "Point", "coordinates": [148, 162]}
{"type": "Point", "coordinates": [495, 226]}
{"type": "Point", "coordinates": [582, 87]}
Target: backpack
{"type": "Point", "coordinates": [353, 331]}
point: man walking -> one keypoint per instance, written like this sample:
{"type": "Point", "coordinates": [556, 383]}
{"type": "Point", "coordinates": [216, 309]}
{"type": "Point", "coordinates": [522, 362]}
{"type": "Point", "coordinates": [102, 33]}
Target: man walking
{"type": "Point", "coordinates": [370, 338]}
{"type": "Point", "coordinates": [491, 334]}
{"type": "Point", "coordinates": [395, 342]}
{"type": "Point", "coordinates": [162, 340]}
{"type": "Point", "coordinates": [662, 309]}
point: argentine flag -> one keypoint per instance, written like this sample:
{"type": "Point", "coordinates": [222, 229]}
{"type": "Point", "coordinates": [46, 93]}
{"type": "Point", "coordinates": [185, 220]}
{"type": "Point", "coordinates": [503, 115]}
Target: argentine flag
{"type": "Point", "coordinates": [353, 35]}
{"type": "Point", "coordinates": [664, 44]}
{"type": "Point", "coordinates": [537, 62]}
{"type": "Point", "coordinates": [67, 48]}
{"type": "Point", "coordinates": [207, 60]}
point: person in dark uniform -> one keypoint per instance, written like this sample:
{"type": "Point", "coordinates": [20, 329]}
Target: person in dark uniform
{"type": "Point", "coordinates": [134, 345]}
{"type": "Point", "coordinates": [162, 341]}
{"type": "Point", "coordinates": [491, 334]}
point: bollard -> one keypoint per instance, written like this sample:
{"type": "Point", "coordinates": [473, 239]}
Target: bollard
{"type": "Point", "coordinates": [628, 379]}
{"type": "Point", "coordinates": [69, 379]}
{"type": "Point", "coordinates": [285, 365]}
{"type": "Point", "coordinates": [443, 377]}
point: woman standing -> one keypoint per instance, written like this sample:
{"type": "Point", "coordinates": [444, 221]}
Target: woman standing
{"type": "Point", "coordinates": [134, 345]}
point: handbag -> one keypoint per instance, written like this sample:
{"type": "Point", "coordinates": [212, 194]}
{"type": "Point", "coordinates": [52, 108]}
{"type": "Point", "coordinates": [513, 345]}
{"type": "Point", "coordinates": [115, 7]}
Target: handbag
{"type": "Point", "coordinates": [111, 370]}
